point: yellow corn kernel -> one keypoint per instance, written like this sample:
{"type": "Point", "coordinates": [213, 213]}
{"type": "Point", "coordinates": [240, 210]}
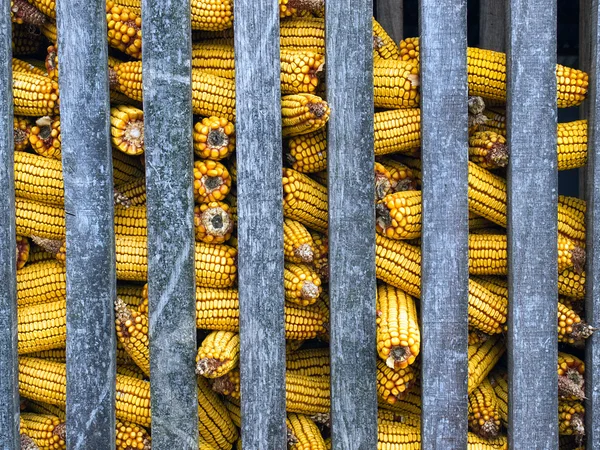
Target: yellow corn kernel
{"type": "Point", "coordinates": [218, 354]}
{"type": "Point", "coordinates": [127, 129]}
{"type": "Point", "coordinates": [488, 149]}
{"type": "Point", "coordinates": [303, 433]}
{"type": "Point", "coordinates": [124, 29]}
{"type": "Point", "coordinates": [310, 362]}
{"type": "Point", "coordinates": [297, 242]}
{"type": "Point", "coordinates": [23, 249]}
{"type": "Point", "coordinates": [482, 359]}
{"type": "Point", "coordinates": [214, 222]}
{"type": "Point", "coordinates": [302, 285]}
{"type": "Point", "coordinates": [212, 15]}
{"type": "Point", "coordinates": [132, 332]}
{"type": "Point", "coordinates": [392, 383]}
{"type": "Point", "coordinates": [42, 326]}
{"type": "Point", "coordinates": [399, 215]}
{"type": "Point", "coordinates": [304, 200]}
{"type": "Point", "coordinates": [570, 377]}
{"type": "Point", "coordinates": [214, 138]}
{"type": "Point", "coordinates": [21, 132]}
{"type": "Point", "coordinates": [303, 113]}
{"type": "Point", "coordinates": [212, 181]}
{"type": "Point", "coordinates": [396, 84]}
{"type": "Point", "coordinates": [45, 137]}
{"type": "Point", "coordinates": [34, 95]}
{"type": "Point", "coordinates": [484, 417]}
{"type": "Point", "coordinates": [571, 418]}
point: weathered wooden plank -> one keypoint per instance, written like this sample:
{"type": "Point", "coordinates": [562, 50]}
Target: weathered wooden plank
{"type": "Point", "coordinates": [260, 224]}
{"type": "Point", "coordinates": [592, 305]}
{"type": "Point", "coordinates": [167, 84]}
{"type": "Point", "coordinates": [390, 15]}
{"type": "Point", "coordinates": [532, 202]}
{"type": "Point", "coordinates": [9, 383]}
{"type": "Point", "coordinates": [351, 223]}
{"type": "Point", "coordinates": [88, 181]}
{"type": "Point", "coordinates": [444, 268]}
{"type": "Point", "coordinates": [492, 19]}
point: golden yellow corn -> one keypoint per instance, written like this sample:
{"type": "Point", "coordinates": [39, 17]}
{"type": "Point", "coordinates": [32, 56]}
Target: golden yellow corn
{"type": "Point", "coordinates": [132, 332]}
{"type": "Point", "coordinates": [41, 282]}
{"type": "Point", "coordinates": [385, 416]}
{"type": "Point", "coordinates": [297, 242]}
{"type": "Point", "coordinates": [392, 383]}
{"type": "Point", "coordinates": [402, 175]}
{"type": "Point", "coordinates": [218, 354]}
{"type": "Point", "coordinates": [21, 132]}
{"type": "Point", "coordinates": [398, 335]}
{"type": "Point", "coordinates": [215, 425]}
{"type": "Point", "coordinates": [475, 442]}
{"type": "Point", "coordinates": [18, 65]}
{"type": "Point", "coordinates": [38, 178]}
{"type": "Point", "coordinates": [304, 200]}
{"type": "Point", "coordinates": [132, 192]}
{"type": "Point", "coordinates": [51, 62]}
{"type": "Point", "coordinates": [212, 181]}
{"type": "Point", "coordinates": [570, 377]}
{"type": "Point", "coordinates": [396, 435]}
{"type": "Point", "coordinates": [498, 379]}
{"type": "Point", "coordinates": [399, 215]}
{"type": "Point", "coordinates": [396, 84]}
{"type": "Point", "coordinates": [572, 144]}
{"type": "Point", "coordinates": [23, 249]}
{"type": "Point", "coordinates": [42, 326]}
{"type": "Point", "coordinates": [484, 418]}
{"type": "Point", "coordinates": [321, 255]}
{"type": "Point", "coordinates": [482, 359]}
{"type": "Point", "coordinates": [127, 129]}
{"type": "Point", "coordinates": [302, 285]}
{"type": "Point", "coordinates": [408, 50]}
{"type": "Point", "coordinates": [213, 222]}
{"type": "Point", "coordinates": [45, 137]}
{"type": "Point", "coordinates": [383, 45]}
{"type": "Point", "coordinates": [303, 433]}
{"type": "Point", "coordinates": [126, 168]}
{"type": "Point", "coordinates": [132, 437]}
{"type": "Point", "coordinates": [306, 34]}
{"type": "Point", "coordinates": [46, 430]}
{"type": "Point", "coordinates": [303, 113]}
{"type": "Point", "coordinates": [571, 418]}
{"type": "Point", "coordinates": [495, 122]}
{"type": "Point", "coordinates": [310, 362]}
{"type": "Point", "coordinates": [571, 328]}
{"type": "Point", "coordinates": [212, 15]}
{"type": "Point", "coordinates": [214, 138]}
{"type": "Point", "coordinates": [409, 404]}
{"type": "Point", "coordinates": [488, 149]}
{"type": "Point", "coordinates": [34, 95]}
{"type": "Point", "coordinates": [303, 8]}
{"type": "Point", "coordinates": [131, 371]}
{"type": "Point", "coordinates": [124, 29]}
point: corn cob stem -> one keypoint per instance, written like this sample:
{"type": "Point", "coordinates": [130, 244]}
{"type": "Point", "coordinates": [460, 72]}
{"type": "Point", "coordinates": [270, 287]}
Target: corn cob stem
{"type": "Point", "coordinates": [218, 354]}
{"type": "Point", "coordinates": [303, 113]}
{"type": "Point", "coordinates": [302, 284]}
{"type": "Point", "coordinates": [214, 138]}
{"type": "Point", "coordinates": [484, 418]}
{"type": "Point", "coordinates": [571, 383]}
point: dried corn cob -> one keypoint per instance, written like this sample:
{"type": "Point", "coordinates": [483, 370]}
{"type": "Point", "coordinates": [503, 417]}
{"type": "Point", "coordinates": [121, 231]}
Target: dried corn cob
{"type": "Point", "coordinates": [383, 45]}
{"type": "Point", "coordinates": [392, 383]}
{"type": "Point", "coordinates": [310, 362]}
{"type": "Point", "coordinates": [45, 137]}
{"type": "Point", "coordinates": [302, 285]}
{"type": "Point", "coordinates": [23, 249]}
{"type": "Point", "coordinates": [127, 129]}
{"type": "Point", "coordinates": [26, 40]}
{"type": "Point", "coordinates": [42, 327]}
{"type": "Point", "coordinates": [21, 133]}
{"type": "Point", "coordinates": [34, 95]}
{"type": "Point", "coordinates": [402, 175]}
{"type": "Point", "coordinates": [233, 407]}
{"type": "Point", "coordinates": [215, 425]}
{"type": "Point", "coordinates": [571, 328]}
{"type": "Point", "coordinates": [214, 222]}
{"type": "Point", "coordinates": [307, 153]}
{"type": "Point", "coordinates": [297, 242]}
{"type": "Point", "coordinates": [395, 435]}
{"type": "Point", "coordinates": [41, 282]}
{"type": "Point", "coordinates": [482, 358]}
{"type": "Point", "coordinates": [484, 418]}
{"type": "Point", "coordinates": [475, 442]}
{"type": "Point", "coordinates": [132, 332]}
{"type": "Point", "coordinates": [212, 181]}
{"type": "Point", "coordinates": [409, 404]}
{"type": "Point", "coordinates": [408, 50]}
{"type": "Point", "coordinates": [321, 255]}
{"type": "Point", "coordinates": [304, 200]}
{"type": "Point", "coordinates": [572, 144]}
{"type": "Point", "coordinates": [395, 84]}
{"type": "Point", "coordinates": [134, 192]}
{"type": "Point", "coordinates": [399, 215]}
{"type": "Point", "coordinates": [18, 65]}
{"type": "Point", "coordinates": [303, 113]}
{"type": "Point", "coordinates": [477, 336]}
{"type": "Point", "coordinates": [488, 149]}
{"type": "Point", "coordinates": [303, 433]}
{"type": "Point", "coordinates": [38, 178]}
{"type": "Point", "coordinates": [499, 382]}
{"type": "Point", "coordinates": [300, 8]}
{"type": "Point", "coordinates": [47, 431]}
{"type": "Point", "coordinates": [214, 138]}
{"type": "Point", "coordinates": [570, 377]}
{"type": "Point", "coordinates": [398, 335]}
{"type": "Point", "coordinates": [487, 194]}
{"type": "Point", "coordinates": [306, 34]}
{"type": "Point", "coordinates": [218, 354]}
{"type": "Point", "coordinates": [131, 371]}
{"type": "Point", "coordinates": [51, 62]}
{"type": "Point", "coordinates": [124, 29]}
{"type": "Point", "coordinates": [571, 415]}
{"type": "Point", "coordinates": [572, 203]}
{"type": "Point", "coordinates": [212, 15]}
{"type": "Point", "coordinates": [496, 121]}
{"type": "Point", "coordinates": [386, 416]}
{"type": "Point", "coordinates": [22, 12]}
{"type": "Point", "coordinates": [132, 437]}
{"type": "Point", "coordinates": [383, 181]}
{"type": "Point", "coordinates": [126, 168]}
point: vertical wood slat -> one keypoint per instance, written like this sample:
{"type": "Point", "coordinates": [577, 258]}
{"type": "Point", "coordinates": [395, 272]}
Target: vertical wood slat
{"type": "Point", "coordinates": [444, 269]}
{"type": "Point", "coordinates": [592, 305]}
{"type": "Point", "coordinates": [390, 15]}
{"type": "Point", "coordinates": [9, 383]}
{"type": "Point", "coordinates": [167, 86]}
{"type": "Point", "coordinates": [532, 227]}
{"type": "Point", "coordinates": [260, 224]}
{"type": "Point", "coordinates": [492, 20]}
{"type": "Point", "coordinates": [352, 285]}
{"type": "Point", "coordinates": [88, 182]}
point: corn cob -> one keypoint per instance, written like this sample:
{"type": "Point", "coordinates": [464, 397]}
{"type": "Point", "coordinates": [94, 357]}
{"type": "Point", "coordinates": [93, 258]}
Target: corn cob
{"type": "Point", "coordinates": [233, 407]}
{"type": "Point", "coordinates": [307, 153]}
{"type": "Point", "coordinates": [475, 442]}
{"type": "Point", "coordinates": [392, 383]}
{"type": "Point", "coordinates": [570, 377]}
{"type": "Point", "coordinates": [132, 371]}
{"type": "Point", "coordinates": [45, 408]}
{"type": "Point", "coordinates": [38, 254]}
{"type": "Point", "coordinates": [499, 382]}
{"type": "Point", "coordinates": [42, 327]}
{"type": "Point", "coordinates": [487, 194]}
{"type": "Point", "coordinates": [303, 113]}
{"type": "Point", "coordinates": [132, 437]}
{"type": "Point", "coordinates": [302, 285]}
{"type": "Point", "coordinates": [213, 222]}
{"type": "Point", "coordinates": [211, 95]}
{"type": "Point", "coordinates": [398, 335]}
{"type": "Point", "coordinates": [383, 45]}
{"type": "Point", "coordinates": [571, 328]}
{"type": "Point", "coordinates": [399, 215]}
{"type": "Point", "coordinates": [477, 336]}
{"type": "Point", "coordinates": [127, 129]}
{"type": "Point", "coordinates": [383, 181]}
{"type": "Point", "coordinates": [45, 137]}
{"type": "Point", "coordinates": [477, 222]}
{"type": "Point", "coordinates": [572, 203]}
{"type": "Point", "coordinates": [488, 149]}
{"type": "Point", "coordinates": [26, 40]}
{"type": "Point", "coordinates": [394, 435]}
{"type": "Point", "coordinates": [55, 355]}
{"type": "Point", "coordinates": [212, 15]}
{"type": "Point", "coordinates": [218, 309]}
{"type": "Point", "coordinates": [304, 200]}
{"type": "Point", "coordinates": [310, 362]}
{"type": "Point", "coordinates": [408, 50]}
{"type": "Point", "coordinates": [484, 418]}
{"type": "Point", "coordinates": [482, 358]}
{"type": "Point", "coordinates": [41, 282]}
{"type": "Point", "coordinates": [321, 255]}
{"type": "Point", "coordinates": [38, 178]}
{"type": "Point", "coordinates": [304, 395]}
{"type": "Point", "coordinates": [402, 175]}
{"type": "Point", "coordinates": [218, 354]}
{"type": "Point", "coordinates": [306, 34]}
{"type": "Point", "coordinates": [47, 431]}
{"type": "Point", "coordinates": [297, 242]}
{"type": "Point", "coordinates": [215, 425]}
{"type": "Point", "coordinates": [303, 433]}
{"type": "Point", "coordinates": [395, 84]}
{"type": "Point", "coordinates": [212, 181]}
{"type": "Point", "coordinates": [133, 192]}
{"type": "Point", "coordinates": [322, 305]}
{"type": "Point", "coordinates": [34, 95]}
{"type": "Point", "coordinates": [409, 404]}
{"type": "Point", "coordinates": [22, 12]}
{"type": "Point", "coordinates": [124, 29]}
{"type": "Point", "coordinates": [496, 122]}
{"type": "Point", "coordinates": [214, 138]}
{"type": "Point", "coordinates": [126, 168]}
{"type": "Point", "coordinates": [21, 133]}
{"type": "Point", "coordinates": [572, 303]}
{"type": "Point", "coordinates": [51, 62]}
{"type": "Point", "coordinates": [288, 8]}
{"type": "Point", "coordinates": [45, 381]}
{"type": "Point", "coordinates": [571, 416]}
{"type": "Point", "coordinates": [571, 223]}
{"type": "Point", "coordinates": [132, 332]}
{"type": "Point", "coordinates": [385, 416]}
{"type": "Point", "coordinates": [18, 65]}
{"type": "Point", "coordinates": [23, 249]}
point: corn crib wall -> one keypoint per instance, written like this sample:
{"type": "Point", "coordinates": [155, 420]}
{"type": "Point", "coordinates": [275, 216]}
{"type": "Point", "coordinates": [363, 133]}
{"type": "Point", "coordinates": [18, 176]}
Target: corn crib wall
{"type": "Point", "coordinates": [530, 43]}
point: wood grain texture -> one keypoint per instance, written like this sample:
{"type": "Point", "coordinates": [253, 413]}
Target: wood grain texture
{"type": "Point", "coordinates": [352, 284]}
{"type": "Point", "coordinates": [532, 228]}
{"type": "Point", "coordinates": [260, 224]}
{"type": "Point", "coordinates": [492, 20]}
{"type": "Point", "coordinates": [87, 170]}
{"type": "Point", "coordinates": [390, 15]}
{"type": "Point", "coordinates": [444, 269]}
{"type": "Point", "coordinates": [592, 305]}
{"type": "Point", "coordinates": [9, 383]}
{"type": "Point", "coordinates": [167, 85]}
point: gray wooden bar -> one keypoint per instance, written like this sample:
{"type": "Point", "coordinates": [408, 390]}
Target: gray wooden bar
{"type": "Point", "coordinates": [9, 384]}
{"type": "Point", "coordinates": [390, 15]}
{"type": "Point", "coordinates": [532, 228]}
{"type": "Point", "coordinates": [592, 305]}
{"type": "Point", "coordinates": [352, 287]}
{"type": "Point", "coordinates": [167, 85]}
{"type": "Point", "coordinates": [492, 24]}
{"type": "Point", "coordinates": [87, 170]}
{"type": "Point", "coordinates": [260, 224]}
{"type": "Point", "coordinates": [444, 269]}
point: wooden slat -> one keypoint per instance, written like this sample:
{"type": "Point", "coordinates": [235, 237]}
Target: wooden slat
{"type": "Point", "coordinates": [350, 161]}
{"type": "Point", "coordinates": [532, 229]}
{"type": "Point", "coordinates": [390, 15]}
{"type": "Point", "coordinates": [260, 224]}
{"type": "Point", "coordinates": [87, 170]}
{"type": "Point", "coordinates": [9, 394]}
{"type": "Point", "coordinates": [445, 223]}
{"type": "Point", "coordinates": [592, 305]}
{"type": "Point", "coordinates": [170, 199]}
{"type": "Point", "coordinates": [492, 19]}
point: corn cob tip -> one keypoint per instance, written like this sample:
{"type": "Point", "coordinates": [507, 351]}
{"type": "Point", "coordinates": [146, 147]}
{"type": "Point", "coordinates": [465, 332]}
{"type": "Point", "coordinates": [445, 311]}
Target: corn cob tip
{"type": "Point", "coordinates": [476, 105]}
{"type": "Point", "coordinates": [51, 61]}
{"type": "Point", "coordinates": [318, 109]}
{"type": "Point", "coordinates": [305, 253]}
{"type": "Point", "coordinates": [382, 185]}
{"type": "Point", "coordinates": [309, 290]}
{"type": "Point", "coordinates": [28, 13]}
{"type": "Point", "coordinates": [476, 119]}
{"type": "Point", "coordinates": [497, 155]}
{"type": "Point", "coordinates": [27, 443]}
{"type": "Point", "coordinates": [322, 419]}
{"type": "Point", "coordinates": [113, 79]}
{"type": "Point", "coordinates": [291, 438]}
{"type": "Point", "coordinates": [122, 312]}
{"type": "Point", "coordinates": [50, 245]}
{"type": "Point", "coordinates": [223, 385]}
{"type": "Point", "coordinates": [120, 199]}
{"type": "Point", "coordinates": [571, 384]}
{"type": "Point", "coordinates": [578, 424]}
{"type": "Point", "coordinates": [207, 366]}
{"type": "Point", "coordinates": [581, 331]}
{"type": "Point", "coordinates": [60, 431]}
{"type": "Point", "coordinates": [489, 430]}
{"type": "Point", "coordinates": [216, 221]}
{"type": "Point", "coordinates": [398, 357]}
{"type": "Point", "coordinates": [578, 256]}
{"type": "Point", "coordinates": [383, 216]}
